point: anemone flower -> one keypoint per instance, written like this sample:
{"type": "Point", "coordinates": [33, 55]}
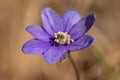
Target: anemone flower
{"type": "Point", "coordinates": [60, 35]}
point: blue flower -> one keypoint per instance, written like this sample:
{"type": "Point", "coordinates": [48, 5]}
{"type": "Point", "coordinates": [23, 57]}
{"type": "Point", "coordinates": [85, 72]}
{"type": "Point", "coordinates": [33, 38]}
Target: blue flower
{"type": "Point", "coordinates": [60, 35]}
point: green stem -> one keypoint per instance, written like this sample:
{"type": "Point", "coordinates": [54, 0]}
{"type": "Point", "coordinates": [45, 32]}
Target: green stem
{"type": "Point", "coordinates": [74, 66]}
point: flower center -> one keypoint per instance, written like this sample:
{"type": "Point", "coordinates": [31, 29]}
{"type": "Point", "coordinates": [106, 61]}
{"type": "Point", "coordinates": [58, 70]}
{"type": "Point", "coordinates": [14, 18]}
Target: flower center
{"type": "Point", "coordinates": [62, 38]}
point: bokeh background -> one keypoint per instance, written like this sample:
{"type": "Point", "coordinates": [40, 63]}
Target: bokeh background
{"type": "Point", "coordinates": [98, 62]}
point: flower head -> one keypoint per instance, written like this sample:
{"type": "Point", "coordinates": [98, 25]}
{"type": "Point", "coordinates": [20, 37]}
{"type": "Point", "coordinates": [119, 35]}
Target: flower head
{"type": "Point", "coordinates": [60, 35]}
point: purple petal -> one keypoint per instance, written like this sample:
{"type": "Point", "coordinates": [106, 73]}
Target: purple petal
{"type": "Point", "coordinates": [82, 26]}
{"type": "Point", "coordinates": [35, 46]}
{"type": "Point", "coordinates": [70, 18]}
{"type": "Point", "coordinates": [55, 54]}
{"type": "Point", "coordinates": [51, 21]}
{"type": "Point", "coordinates": [38, 32]}
{"type": "Point", "coordinates": [89, 21]}
{"type": "Point", "coordinates": [81, 43]}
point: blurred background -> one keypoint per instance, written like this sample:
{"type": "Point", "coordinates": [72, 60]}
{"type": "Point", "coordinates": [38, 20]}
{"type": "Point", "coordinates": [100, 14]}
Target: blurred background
{"type": "Point", "coordinates": [98, 62]}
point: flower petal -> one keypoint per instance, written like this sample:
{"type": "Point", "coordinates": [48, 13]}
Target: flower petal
{"type": "Point", "coordinates": [55, 54]}
{"type": "Point", "coordinates": [51, 21]}
{"type": "Point", "coordinates": [35, 46]}
{"type": "Point", "coordinates": [81, 43]}
{"type": "Point", "coordinates": [38, 32]}
{"type": "Point", "coordinates": [70, 18]}
{"type": "Point", "coordinates": [82, 26]}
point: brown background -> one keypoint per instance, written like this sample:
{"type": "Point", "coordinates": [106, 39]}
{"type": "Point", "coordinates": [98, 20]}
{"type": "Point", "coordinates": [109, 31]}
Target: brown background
{"type": "Point", "coordinates": [15, 15]}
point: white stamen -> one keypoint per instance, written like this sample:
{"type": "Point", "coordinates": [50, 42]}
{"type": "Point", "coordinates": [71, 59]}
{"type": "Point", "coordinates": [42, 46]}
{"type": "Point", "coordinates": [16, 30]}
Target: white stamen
{"type": "Point", "coordinates": [62, 38]}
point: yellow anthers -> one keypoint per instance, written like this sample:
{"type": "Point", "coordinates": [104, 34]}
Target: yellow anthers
{"type": "Point", "coordinates": [62, 38]}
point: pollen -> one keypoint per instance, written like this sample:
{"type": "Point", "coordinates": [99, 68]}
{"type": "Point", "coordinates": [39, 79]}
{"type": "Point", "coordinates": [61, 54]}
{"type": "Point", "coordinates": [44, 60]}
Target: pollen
{"type": "Point", "coordinates": [62, 38]}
